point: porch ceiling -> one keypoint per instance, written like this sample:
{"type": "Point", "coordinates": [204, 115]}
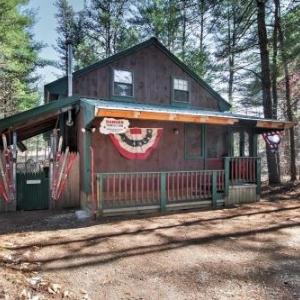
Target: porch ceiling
{"type": "Point", "coordinates": [37, 120]}
{"type": "Point", "coordinates": [107, 108]}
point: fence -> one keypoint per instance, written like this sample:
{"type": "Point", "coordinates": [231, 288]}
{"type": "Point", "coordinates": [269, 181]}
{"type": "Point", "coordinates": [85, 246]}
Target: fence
{"type": "Point", "coordinates": [120, 190]}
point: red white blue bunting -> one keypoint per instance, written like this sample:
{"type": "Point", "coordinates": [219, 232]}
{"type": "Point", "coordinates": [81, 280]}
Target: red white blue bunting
{"type": "Point", "coordinates": [272, 139]}
{"type": "Point", "coordinates": [137, 143]}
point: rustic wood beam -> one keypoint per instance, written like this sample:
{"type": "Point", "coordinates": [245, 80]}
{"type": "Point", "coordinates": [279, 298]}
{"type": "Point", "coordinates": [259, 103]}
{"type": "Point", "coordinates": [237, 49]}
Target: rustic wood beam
{"type": "Point", "coordinates": [274, 125]}
{"type": "Point", "coordinates": [162, 116]}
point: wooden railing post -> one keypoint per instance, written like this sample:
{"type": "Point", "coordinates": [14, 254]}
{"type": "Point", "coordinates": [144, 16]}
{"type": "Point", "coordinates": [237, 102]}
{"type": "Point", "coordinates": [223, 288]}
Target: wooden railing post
{"type": "Point", "coordinates": [214, 189]}
{"type": "Point", "coordinates": [258, 175]}
{"type": "Point", "coordinates": [226, 175]}
{"type": "Point", "coordinates": [163, 191]}
{"type": "Point", "coordinates": [100, 193]}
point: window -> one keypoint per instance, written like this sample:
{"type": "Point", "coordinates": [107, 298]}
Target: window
{"type": "Point", "coordinates": [215, 140]}
{"type": "Point", "coordinates": [181, 90]}
{"type": "Point", "coordinates": [123, 83]}
{"type": "Point", "coordinates": [194, 141]}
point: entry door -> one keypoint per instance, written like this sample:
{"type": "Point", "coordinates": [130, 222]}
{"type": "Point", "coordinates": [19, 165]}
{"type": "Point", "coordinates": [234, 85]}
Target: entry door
{"type": "Point", "coordinates": [32, 191]}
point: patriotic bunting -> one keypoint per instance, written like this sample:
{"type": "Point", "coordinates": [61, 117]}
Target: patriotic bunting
{"type": "Point", "coordinates": [272, 139]}
{"type": "Point", "coordinates": [137, 143]}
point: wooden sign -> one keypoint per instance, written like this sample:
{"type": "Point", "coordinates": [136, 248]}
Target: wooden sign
{"type": "Point", "coordinates": [113, 126]}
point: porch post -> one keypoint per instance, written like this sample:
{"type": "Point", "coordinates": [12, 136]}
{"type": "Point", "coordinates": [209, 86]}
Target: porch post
{"type": "Point", "coordinates": [230, 142]}
{"type": "Point", "coordinates": [253, 144]}
{"type": "Point", "coordinates": [258, 176]}
{"type": "Point", "coordinates": [204, 144]}
{"type": "Point", "coordinates": [88, 116]}
{"type": "Point", "coordinates": [14, 171]}
{"type": "Point", "coordinates": [100, 194]}
{"type": "Point", "coordinates": [51, 169]}
{"type": "Point", "coordinates": [242, 143]}
{"type": "Point", "coordinates": [163, 191]}
{"type": "Point", "coordinates": [214, 189]}
{"type": "Point", "coordinates": [226, 170]}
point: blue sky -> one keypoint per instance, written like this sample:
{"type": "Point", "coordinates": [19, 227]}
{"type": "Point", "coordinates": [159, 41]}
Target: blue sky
{"type": "Point", "coordinates": [45, 31]}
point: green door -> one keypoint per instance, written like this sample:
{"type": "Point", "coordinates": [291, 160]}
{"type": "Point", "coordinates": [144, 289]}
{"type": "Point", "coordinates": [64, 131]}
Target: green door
{"type": "Point", "coordinates": [32, 191]}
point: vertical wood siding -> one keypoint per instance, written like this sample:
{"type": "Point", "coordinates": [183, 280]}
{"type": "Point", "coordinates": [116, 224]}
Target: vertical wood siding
{"type": "Point", "coordinates": [152, 70]}
{"type": "Point", "coordinates": [71, 195]}
{"type": "Point", "coordinates": [169, 156]}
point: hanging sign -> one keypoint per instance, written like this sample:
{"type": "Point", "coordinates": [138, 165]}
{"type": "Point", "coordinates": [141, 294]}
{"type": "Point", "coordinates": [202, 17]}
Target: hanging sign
{"type": "Point", "coordinates": [137, 143]}
{"type": "Point", "coordinates": [272, 139]}
{"type": "Point", "coordinates": [113, 126]}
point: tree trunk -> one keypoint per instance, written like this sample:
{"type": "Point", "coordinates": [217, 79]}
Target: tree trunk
{"type": "Point", "coordinates": [274, 64]}
{"type": "Point", "coordinates": [202, 11]}
{"type": "Point", "coordinates": [273, 171]}
{"type": "Point", "coordinates": [274, 75]}
{"type": "Point", "coordinates": [231, 49]}
{"type": "Point", "coordinates": [183, 37]}
{"type": "Point", "coordinates": [289, 109]}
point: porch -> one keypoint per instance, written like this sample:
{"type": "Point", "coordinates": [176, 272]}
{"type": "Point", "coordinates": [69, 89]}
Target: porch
{"type": "Point", "coordinates": [138, 192]}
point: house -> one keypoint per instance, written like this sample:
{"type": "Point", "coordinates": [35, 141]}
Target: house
{"type": "Point", "coordinates": [151, 135]}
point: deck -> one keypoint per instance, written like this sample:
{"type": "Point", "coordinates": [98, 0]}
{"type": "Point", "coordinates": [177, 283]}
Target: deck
{"type": "Point", "coordinates": [128, 192]}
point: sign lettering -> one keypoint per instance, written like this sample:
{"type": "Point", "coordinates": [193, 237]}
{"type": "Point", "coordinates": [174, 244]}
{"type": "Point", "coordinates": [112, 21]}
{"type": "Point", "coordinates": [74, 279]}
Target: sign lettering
{"type": "Point", "coordinates": [113, 126]}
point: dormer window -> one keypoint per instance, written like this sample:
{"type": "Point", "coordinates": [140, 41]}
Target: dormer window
{"type": "Point", "coordinates": [181, 91]}
{"type": "Point", "coordinates": [122, 83]}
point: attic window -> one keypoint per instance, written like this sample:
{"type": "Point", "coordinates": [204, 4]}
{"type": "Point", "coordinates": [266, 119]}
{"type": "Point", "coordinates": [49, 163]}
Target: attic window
{"type": "Point", "coordinates": [123, 83]}
{"type": "Point", "coordinates": [181, 91]}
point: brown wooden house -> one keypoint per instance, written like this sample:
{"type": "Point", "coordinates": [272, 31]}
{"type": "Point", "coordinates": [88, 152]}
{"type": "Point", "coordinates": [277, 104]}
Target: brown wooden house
{"type": "Point", "coordinates": [177, 152]}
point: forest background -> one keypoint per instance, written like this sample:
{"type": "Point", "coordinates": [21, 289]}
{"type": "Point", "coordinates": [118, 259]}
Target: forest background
{"type": "Point", "coordinates": [247, 50]}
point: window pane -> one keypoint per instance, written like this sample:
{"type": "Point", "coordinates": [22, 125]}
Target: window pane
{"type": "Point", "coordinates": [181, 96]}
{"type": "Point", "coordinates": [122, 89]}
{"type": "Point", "coordinates": [122, 76]}
{"type": "Point", "coordinates": [216, 141]}
{"type": "Point", "coordinates": [180, 84]}
{"type": "Point", "coordinates": [193, 140]}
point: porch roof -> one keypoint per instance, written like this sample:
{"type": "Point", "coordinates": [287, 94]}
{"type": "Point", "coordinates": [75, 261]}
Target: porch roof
{"type": "Point", "coordinates": [108, 108]}
{"type": "Point", "coordinates": [37, 120]}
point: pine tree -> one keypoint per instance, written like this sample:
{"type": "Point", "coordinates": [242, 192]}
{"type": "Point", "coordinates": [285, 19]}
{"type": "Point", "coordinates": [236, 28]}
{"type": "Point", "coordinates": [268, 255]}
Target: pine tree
{"type": "Point", "coordinates": [159, 18]}
{"type": "Point", "coordinates": [18, 89]}
{"type": "Point", "coordinates": [274, 175]}
{"type": "Point", "coordinates": [106, 25]}
{"type": "Point", "coordinates": [66, 30]}
{"type": "Point", "coordinates": [289, 106]}
{"type": "Point", "coordinates": [232, 24]}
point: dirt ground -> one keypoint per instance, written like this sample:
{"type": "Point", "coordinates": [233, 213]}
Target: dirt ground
{"type": "Point", "coordinates": [248, 252]}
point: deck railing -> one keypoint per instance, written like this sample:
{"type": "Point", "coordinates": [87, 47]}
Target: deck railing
{"type": "Point", "coordinates": [242, 170]}
{"type": "Point", "coordinates": [128, 189]}
{"type": "Point", "coordinates": [164, 189]}
{"type": "Point", "coordinates": [118, 190]}
{"type": "Point", "coordinates": [193, 185]}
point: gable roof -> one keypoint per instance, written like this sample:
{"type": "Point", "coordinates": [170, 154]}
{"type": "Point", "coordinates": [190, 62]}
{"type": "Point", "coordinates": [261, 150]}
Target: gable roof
{"type": "Point", "coordinates": [61, 83]}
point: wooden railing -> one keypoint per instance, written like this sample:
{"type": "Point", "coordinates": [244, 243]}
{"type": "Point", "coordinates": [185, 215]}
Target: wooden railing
{"type": "Point", "coordinates": [239, 170]}
{"type": "Point", "coordinates": [117, 190]}
{"type": "Point", "coordinates": [193, 185]}
{"type": "Point", "coordinates": [136, 189]}
{"type": "Point", "coordinates": [128, 189]}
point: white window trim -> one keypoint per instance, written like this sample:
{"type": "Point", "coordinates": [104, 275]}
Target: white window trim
{"type": "Point", "coordinates": [113, 83]}
{"type": "Point", "coordinates": [188, 90]}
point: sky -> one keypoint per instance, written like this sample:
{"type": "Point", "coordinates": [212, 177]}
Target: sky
{"type": "Point", "coordinates": [45, 31]}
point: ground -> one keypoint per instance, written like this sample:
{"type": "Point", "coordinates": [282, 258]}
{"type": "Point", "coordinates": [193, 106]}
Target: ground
{"type": "Point", "coordinates": [247, 252]}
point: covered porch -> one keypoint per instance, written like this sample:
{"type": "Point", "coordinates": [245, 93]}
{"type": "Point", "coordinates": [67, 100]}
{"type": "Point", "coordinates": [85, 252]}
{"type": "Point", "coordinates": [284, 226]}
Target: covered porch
{"type": "Point", "coordinates": [224, 180]}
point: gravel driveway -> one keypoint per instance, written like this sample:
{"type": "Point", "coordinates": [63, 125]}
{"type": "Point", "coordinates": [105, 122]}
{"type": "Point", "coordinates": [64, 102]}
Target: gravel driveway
{"type": "Point", "coordinates": [250, 252]}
